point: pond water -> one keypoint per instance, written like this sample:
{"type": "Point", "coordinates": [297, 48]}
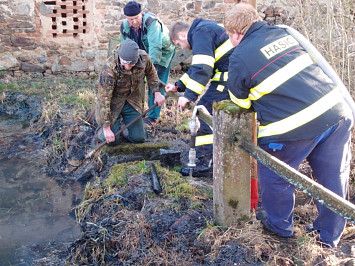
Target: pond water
{"type": "Point", "coordinates": [34, 209]}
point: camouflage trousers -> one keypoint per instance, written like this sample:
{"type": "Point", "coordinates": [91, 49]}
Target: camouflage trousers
{"type": "Point", "coordinates": [136, 132]}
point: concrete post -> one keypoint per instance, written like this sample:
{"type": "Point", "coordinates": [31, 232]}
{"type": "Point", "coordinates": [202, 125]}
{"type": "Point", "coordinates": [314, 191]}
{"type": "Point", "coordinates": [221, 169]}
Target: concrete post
{"type": "Point", "coordinates": [231, 165]}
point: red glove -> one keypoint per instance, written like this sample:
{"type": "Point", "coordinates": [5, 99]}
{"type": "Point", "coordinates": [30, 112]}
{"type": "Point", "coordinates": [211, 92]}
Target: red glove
{"type": "Point", "coordinates": [254, 194]}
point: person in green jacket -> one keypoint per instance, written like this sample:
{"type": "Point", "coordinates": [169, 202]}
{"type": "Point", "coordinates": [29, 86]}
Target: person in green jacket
{"type": "Point", "coordinates": [152, 36]}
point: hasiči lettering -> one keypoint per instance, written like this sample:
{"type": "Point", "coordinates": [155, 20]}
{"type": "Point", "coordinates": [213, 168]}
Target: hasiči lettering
{"type": "Point", "coordinates": [278, 46]}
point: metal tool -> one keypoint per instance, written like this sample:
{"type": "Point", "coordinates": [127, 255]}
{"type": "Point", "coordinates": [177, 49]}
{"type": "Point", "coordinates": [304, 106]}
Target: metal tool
{"type": "Point", "coordinates": [194, 125]}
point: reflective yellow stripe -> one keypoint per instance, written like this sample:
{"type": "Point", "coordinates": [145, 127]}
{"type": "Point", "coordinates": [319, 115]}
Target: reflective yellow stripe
{"type": "Point", "coordinates": [194, 86]}
{"type": "Point", "coordinates": [203, 140]}
{"type": "Point", "coordinates": [302, 117]}
{"type": "Point", "coordinates": [244, 103]}
{"type": "Point", "coordinates": [184, 78]}
{"type": "Point", "coordinates": [217, 76]}
{"type": "Point", "coordinates": [223, 49]}
{"type": "Point", "coordinates": [225, 76]}
{"type": "Point", "coordinates": [280, 76]}
{"type": "Point", "coordinates": [220, 88]}
{"type": "Point", "coordinates": [203, 59]}
{"type": "Point", "coordinates": [206, 60]}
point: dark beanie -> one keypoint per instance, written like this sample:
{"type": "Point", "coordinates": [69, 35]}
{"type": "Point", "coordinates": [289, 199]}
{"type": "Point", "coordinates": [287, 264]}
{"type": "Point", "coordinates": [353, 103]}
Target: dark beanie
{"type": "Point", "coordinates": [132, 9]}
{"type": "Point", "coordinates": [129, 52]}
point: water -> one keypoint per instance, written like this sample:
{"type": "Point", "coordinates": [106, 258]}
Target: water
{"type": "Point", "coordinates": [34, 209]}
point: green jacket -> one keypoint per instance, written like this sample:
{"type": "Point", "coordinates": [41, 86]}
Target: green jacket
{"type": "Point", "coordinates": [155, 38]}
{"type": "Point", "coordinates": [116, 86]}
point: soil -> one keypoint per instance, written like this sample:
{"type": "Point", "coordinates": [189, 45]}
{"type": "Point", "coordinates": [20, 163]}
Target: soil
{"type": "Point", "coordinates": [127, 223]}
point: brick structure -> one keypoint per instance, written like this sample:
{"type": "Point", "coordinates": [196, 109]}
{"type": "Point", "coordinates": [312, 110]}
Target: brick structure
{"type": "Point", "coordinates": [55, 36]}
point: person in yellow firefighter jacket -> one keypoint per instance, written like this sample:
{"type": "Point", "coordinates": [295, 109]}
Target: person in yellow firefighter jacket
{"type": "Point", "coordinates": [211, 49]}
{"type": "Point", "coordinates": [302, 115]}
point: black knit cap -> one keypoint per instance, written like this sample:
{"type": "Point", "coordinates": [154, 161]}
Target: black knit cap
{"type": "Point", "coordinates": [132, 8]}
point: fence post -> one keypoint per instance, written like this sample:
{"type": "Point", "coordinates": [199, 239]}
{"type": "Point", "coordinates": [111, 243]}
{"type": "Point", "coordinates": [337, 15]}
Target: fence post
{"type": "Point", "coordinates": [231, 165]}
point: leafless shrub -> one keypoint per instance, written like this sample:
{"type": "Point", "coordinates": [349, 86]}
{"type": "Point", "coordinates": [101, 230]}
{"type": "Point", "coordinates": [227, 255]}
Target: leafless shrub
{"type": "Point", "coordinates": [330, 26]}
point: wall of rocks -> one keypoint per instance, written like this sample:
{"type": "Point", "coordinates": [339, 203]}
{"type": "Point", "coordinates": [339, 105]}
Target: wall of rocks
{"type": "Point", "coordinates": [60, 36]}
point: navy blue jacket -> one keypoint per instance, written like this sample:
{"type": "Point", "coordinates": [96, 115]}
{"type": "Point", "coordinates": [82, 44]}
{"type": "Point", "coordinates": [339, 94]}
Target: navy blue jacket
{"type": "Point", "coordinates": [211, 49]}
{"type": "Point", "coordinates": [271, 73]}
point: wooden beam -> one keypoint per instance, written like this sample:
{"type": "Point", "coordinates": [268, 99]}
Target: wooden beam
{"type": "Point", "coordinates": [253, 162]}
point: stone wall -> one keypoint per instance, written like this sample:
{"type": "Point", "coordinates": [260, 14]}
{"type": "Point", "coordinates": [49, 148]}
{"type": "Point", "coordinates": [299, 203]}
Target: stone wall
{"type": "Point", "coordinates": [56, 36]}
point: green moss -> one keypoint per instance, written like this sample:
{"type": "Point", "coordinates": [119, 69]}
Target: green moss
{"type": "Point", "coordinates": [173, 185]}
{"type": "Point", "coordinates": [229, 107]}
{"type": "Point", "coordinates": [233, 203]}
{"type": "Point", "coordinates": [120, 172]}
{"type": "Point", "coordinates": [145, 149]}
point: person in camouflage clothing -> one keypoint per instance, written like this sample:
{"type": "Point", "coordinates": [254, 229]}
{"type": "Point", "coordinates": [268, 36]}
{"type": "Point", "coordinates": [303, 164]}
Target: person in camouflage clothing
{"type": "Point", "coordinates": [119, 95]}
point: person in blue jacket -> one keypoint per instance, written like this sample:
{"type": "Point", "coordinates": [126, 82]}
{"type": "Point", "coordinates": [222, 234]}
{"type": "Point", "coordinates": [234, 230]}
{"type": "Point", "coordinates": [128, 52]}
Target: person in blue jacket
{"type": "Point", "coordinates": [152, 36]}
{"type": "Point", "coordinates": [302, 115]}
{"type": "Point", "coordinates": [211, 49]}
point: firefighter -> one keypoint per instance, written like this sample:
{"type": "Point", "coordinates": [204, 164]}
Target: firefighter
{"type": "Point", "coordinates": [152, 36]}
{"type": "Point", "coordinates": [302, 115]}
{"type": "Point", "coordinates": [119, 95]}
{"type": "Point", "coordinates": [211, 49]}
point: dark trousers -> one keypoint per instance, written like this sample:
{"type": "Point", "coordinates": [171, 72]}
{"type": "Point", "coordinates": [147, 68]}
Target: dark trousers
{"type": "Point", "coordinates": [329, 157]}
{"type": "Point", "coordinates": [211, 95]}
{"type": "Point", "coordinates": [163, 74]}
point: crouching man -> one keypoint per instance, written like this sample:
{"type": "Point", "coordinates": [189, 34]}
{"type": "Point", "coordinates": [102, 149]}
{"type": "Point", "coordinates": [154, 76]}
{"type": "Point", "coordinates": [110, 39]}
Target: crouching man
{"type": "Point", "coordinates": [119, 99]}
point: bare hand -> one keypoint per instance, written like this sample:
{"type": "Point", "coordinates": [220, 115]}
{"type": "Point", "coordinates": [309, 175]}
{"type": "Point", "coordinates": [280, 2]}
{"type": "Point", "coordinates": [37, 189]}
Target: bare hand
{"type": "Point", "coordinates": [109, 136]}
{"type": "Point", "coordinates": [183, 102]}
{"type": "Point", "coordinates": [159, 98]}
{"type": "Point", "coordinates": [170, 87]}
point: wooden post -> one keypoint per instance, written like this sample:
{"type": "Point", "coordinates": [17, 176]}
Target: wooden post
{"type": "Point", "coordinates": [253, 162]}
{"type": "Point", "coordinates": [231, 165]}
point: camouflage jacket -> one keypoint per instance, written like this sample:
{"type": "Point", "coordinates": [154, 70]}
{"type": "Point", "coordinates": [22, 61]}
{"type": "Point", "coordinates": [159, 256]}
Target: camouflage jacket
{"type": "Point", "coordinates": [118, 86]}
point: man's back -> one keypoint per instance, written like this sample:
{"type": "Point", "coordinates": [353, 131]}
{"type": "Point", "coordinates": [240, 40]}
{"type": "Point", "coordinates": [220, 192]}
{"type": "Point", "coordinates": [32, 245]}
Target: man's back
{"type": "Point", "coordinates": [284, 81]}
